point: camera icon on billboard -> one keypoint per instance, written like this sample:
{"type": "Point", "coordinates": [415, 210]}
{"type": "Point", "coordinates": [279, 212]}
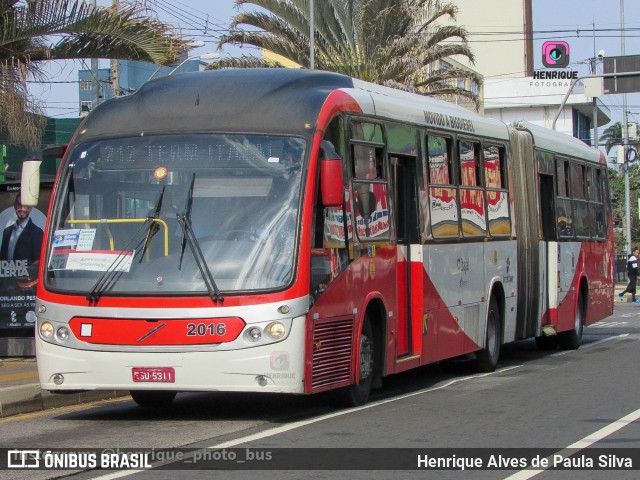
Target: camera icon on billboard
{"type": "Point", "coordinates": [555, 54]}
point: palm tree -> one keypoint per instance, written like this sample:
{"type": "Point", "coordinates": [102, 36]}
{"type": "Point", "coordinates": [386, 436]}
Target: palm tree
{"type": "Point", "coordinates": [612, 136]}
{"type": "Point", "coordinates": [33, 31]}
{"type": "Point", "coordinates": [389, 42]}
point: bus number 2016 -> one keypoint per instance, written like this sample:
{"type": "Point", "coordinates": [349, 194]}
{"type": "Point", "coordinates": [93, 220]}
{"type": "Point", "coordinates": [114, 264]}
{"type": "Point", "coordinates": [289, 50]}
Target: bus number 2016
{"type": "Point", "coordinates": [201, 329]}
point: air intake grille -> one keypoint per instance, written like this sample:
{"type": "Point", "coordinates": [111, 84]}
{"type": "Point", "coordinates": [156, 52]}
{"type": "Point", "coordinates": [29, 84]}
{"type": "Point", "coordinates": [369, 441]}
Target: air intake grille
{"type": "Point", "coordinates": [332, 354]}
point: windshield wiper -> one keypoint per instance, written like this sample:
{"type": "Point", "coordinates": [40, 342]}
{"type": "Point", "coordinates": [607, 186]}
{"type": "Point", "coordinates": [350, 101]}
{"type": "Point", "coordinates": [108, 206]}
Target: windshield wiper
{"type": "Point", "coordinates": [189, 237]}
{"type": "Point", "coordinates": [153, 228]}
{"type": "Point", "coordinates": [109, 276]}
{"type": "Point", "coordinates": [187, 214]}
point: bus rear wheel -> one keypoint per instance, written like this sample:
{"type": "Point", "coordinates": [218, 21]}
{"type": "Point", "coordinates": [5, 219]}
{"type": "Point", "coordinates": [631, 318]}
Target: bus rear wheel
{"type": "Point", "coordinates": [358, 393]}
{"type": "Point", "coordinates": [153, 399]}
{"type": "Point", "coordinates": [487, 359]}
{"type": "Point", "coordinates": [572, 339]}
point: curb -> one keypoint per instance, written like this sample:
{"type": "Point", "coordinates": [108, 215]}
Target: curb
{"type": "Point", "coordinates": [30, 398]}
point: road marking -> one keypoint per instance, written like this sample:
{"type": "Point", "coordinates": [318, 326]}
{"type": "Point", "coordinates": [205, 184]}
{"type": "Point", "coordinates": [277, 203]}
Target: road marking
{"type": "Point", "coordinates": [303, 423]}
{"type": "Point", "coordinates": [589, 345]}
{"type": "Point", "coordinates": [18, 376]}
{"type": "Point", "coordinates": [60, 410]}
{"type": "Point", "coordinates": [609, 324]}
{"type": "Point", "coordinates": [583, 443]}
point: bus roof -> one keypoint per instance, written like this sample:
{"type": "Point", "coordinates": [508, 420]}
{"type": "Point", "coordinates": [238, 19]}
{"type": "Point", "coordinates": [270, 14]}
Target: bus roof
{"type": "Point", "coordinates": [430, 112]}
{"type": "Point", "coordinates": [558, 142]}
{"type": "Point", "coordinates": [232, 100]}
{"type": "Point", "coordinates": [286, 101]}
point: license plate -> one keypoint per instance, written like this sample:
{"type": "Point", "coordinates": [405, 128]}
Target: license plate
{"type": "Point", "coordinates": [153, 374]}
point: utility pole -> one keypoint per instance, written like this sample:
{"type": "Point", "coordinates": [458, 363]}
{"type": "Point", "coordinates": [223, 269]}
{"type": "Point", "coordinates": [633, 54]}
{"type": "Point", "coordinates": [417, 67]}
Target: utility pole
{"type": "Point", "coordinates": [594, 71]}
{"type": "Point", "coordinates": [115, 65]}
{"type": "Point", "coordinates": [312, 37]}
{"type": "Point", "coordinates": [625, 141]}
{"type": "Point", "coordinates": [94, 73]}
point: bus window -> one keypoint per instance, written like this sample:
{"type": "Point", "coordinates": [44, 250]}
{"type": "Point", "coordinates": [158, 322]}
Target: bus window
{"type": "Point", "coordinates": [443, 198]}
{"type": "Point", "coordinates": [370, 194]}
{"type": "Point", "coordinates": [472, 204]}
{"type": "Point", "coordinates": [577, 181]}
{"type": "Point", "coordinates": [494, 166]}
{"type": "Point", "coordinates": [497, 194]}
{"type": "Point", "coordinates": [469, 155]}
{"type": "Point", "coordinates": [580, 207]}
{"type": "Point", "coordinates": [564, 214]}
{"type": "Point", "coordinates": [439, 160]}
{"type": "Point", "coordinates": [596, 203]}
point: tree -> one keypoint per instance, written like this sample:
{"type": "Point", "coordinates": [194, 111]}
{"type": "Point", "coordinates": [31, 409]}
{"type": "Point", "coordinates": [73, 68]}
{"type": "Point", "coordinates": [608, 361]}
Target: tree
{"type": "Point", "coordinates": [612, 136]}
{"type": "Point", "coordinates": [618, 200]}
{"type": "Point", "coordinates": [390, 42]}
{"type": "Point", "coordinates": [34, 31]}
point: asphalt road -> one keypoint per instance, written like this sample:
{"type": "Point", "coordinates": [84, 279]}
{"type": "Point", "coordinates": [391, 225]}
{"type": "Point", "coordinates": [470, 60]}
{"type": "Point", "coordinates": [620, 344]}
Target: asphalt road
{"type": "Point", "coordinates": [539, 403]}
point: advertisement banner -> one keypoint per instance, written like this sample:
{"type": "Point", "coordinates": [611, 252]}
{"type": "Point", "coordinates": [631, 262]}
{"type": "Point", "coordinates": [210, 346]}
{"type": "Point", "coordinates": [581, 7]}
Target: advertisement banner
{"type": "Point", "coordinates": [21, 230]}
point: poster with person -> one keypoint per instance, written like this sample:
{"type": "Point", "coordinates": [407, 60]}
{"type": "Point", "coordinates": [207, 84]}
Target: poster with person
{"type": "Point", "coordinates": [21, 232]}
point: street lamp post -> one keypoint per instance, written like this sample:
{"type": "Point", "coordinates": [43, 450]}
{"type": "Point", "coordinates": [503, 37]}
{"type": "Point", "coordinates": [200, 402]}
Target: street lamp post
{"type": "Point", "coordinates": [204, 57]}
{"type": "Point", "coordinates": [312, 37]}
{"type": "Point", "coordinates": [625, 136]}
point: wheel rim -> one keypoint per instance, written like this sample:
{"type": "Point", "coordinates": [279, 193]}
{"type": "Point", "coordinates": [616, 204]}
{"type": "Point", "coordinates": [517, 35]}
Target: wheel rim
{"type": "Point", "coordinates": [492, 335]}
{"type": "Point", "coordinates": [578, 321]}
{"type": "Point", "coordinates": [366, 357]}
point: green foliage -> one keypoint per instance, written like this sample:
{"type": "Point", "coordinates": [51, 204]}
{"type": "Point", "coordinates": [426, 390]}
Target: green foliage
{"type": "Point", "coordinates": [35, 31]}
{"type": "Point", "coordinates": [389, 42]}
{"type": "Point", "coordinates": [612, 136]}
{"type": "Point", "coordinates": [616, 185]}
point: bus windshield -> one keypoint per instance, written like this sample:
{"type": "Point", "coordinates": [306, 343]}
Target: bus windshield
{"type": "Point", "coordinates": [124, 204]}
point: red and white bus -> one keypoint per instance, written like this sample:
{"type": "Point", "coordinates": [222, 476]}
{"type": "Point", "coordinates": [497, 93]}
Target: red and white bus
{"type": "Point", "coordinates": [293, 231]}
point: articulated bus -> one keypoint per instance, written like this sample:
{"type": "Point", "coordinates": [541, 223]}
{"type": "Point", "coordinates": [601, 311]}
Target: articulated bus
{"type": "Point", "coordinates": [295, 231]}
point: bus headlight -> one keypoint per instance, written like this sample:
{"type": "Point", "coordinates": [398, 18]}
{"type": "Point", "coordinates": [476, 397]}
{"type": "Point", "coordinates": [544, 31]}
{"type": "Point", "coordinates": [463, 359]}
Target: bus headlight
{"type": "Point", "coordinates": [46, 330]}
{"type": "Point", "coordinates": [63, 334]}
{"type": "Point", "coordinates": [276, 330]}
{"type": "Point", "coordinates": [254, 334]}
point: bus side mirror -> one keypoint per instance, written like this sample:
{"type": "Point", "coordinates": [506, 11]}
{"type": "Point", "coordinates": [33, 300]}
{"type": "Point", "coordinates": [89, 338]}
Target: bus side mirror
{"type": "Point", "coordinates": [30, 183]}
{"type": "Point", "coordinates": [331, 182]}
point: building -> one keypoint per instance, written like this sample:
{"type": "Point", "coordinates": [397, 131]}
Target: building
{"type": "Point", "coordinates": [501, 35]}
{"type": "Point", "coordinates": [503, 47]}
{"type": "Point", "coordinates": [57, 131]}
{"type": "Point", "coordinates": [538, 101]}
{"type": "Point", "coordinates": [132, 75]}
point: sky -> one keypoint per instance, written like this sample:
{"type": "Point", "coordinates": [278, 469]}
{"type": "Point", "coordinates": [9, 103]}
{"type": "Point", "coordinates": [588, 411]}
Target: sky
{"type": "Point", "coordinates": [570, 20]}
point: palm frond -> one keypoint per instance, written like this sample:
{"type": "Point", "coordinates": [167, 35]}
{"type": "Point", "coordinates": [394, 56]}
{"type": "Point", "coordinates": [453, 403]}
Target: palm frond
{"type": "Point", "coordinates": [391, 42]}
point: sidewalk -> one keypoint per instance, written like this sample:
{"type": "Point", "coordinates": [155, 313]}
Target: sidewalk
{"type": "Point", "coordinates": [20, 390]}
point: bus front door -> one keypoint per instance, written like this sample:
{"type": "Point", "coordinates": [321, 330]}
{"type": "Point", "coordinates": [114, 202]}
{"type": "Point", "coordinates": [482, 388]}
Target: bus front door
{"type": "Point", "coordinates": [550, 283]}
{"type": "Point", "coordinates": [409, 264]}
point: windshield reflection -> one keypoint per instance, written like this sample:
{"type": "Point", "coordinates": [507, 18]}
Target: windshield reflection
{"type": "Point", "coordinates": [241, 192]}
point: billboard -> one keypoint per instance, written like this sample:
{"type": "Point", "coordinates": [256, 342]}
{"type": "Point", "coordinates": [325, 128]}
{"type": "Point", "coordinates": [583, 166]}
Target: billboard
{"type": "Point", "coordinates": [21, 240]}
{"type": "Point", "coordinates": [624, 64]}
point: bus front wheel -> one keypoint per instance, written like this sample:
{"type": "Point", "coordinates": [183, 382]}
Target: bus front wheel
{"type": "Point", "coordinates": [358, 393]}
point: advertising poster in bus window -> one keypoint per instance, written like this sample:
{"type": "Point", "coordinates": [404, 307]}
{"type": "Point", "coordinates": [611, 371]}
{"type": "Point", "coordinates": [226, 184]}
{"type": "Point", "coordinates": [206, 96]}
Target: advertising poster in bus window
{"type": "Point", "coordinates": [21, 230]}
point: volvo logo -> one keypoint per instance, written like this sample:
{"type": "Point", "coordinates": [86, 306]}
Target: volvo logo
{"type": "Point", "coordinates": [152, 332]}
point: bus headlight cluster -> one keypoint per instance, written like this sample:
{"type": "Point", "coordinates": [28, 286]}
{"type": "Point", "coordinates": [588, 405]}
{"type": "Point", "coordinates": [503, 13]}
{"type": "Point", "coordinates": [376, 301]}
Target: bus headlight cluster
{"type": "Point", "coordinates": [275, 331]}
{"type": "Point", "coordinates": [254, 334]}
{"type": "Point", "coordinates": [46, 330]}
{"type": "Point", "coordinates": [63, 334]}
